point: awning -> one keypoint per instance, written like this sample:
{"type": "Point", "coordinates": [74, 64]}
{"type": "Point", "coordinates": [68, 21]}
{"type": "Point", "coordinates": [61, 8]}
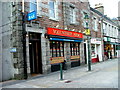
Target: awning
{"type": "Point", "coordinates": [69, 40]}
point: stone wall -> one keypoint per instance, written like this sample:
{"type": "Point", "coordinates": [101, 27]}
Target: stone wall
{"type": "Point", "coordinates": [7, 62]}
{"type": "Point", "coordinates": [0, 42]}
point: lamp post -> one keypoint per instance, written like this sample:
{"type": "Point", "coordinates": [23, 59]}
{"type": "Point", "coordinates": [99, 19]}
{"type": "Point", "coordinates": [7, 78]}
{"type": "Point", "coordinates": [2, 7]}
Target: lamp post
{"type": "Point", "coordinates": [87, 32]}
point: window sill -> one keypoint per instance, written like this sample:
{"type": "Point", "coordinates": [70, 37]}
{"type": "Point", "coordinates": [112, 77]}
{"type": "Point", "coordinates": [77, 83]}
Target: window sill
{"type": "Point", "coordinates": [39, 15]}
{"type": "Point", "coordinates": [54, 19]}
{"type": "Point", "coordinates": [73, 23]}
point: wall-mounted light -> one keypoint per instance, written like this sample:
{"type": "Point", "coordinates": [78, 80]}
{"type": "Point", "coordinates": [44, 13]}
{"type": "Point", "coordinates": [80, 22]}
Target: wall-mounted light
{"type": "Point", "coordinates": [30, 43]}
{"type": "Point", "coordinates": [57, 26]}
{"type": "Point", "coordinates": [73, 29]}
{"type": "Point", "coordinates": [46, 36]}
{"type": "Point", "coordinates": [27, 35]}
{"type": "Point", "coordinates": [66, 28]}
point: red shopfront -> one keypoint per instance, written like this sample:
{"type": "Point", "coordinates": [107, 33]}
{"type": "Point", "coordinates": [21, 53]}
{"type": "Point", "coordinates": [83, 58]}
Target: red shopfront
{"type": "Point", "coordinates": [57, 39]}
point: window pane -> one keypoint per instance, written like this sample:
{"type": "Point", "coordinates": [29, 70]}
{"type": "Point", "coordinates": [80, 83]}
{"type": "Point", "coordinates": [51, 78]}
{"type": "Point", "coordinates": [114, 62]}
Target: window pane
{"type": "Point", "coordinates": [33, 5]}
{"type": "Point", "coordinates": [52, 9]}
{"type": "Point", "coordinates": [52, 13]}
{"type": "Point", "coordinates": [51, 4]}
{"type": "Point", "coordinates": [57, 49]}
{"type": "Point", "coordinates": [72, 14]}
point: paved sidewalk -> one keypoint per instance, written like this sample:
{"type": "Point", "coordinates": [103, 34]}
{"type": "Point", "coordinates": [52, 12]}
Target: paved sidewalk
{"type": "Point", "coordinates": [53, 80]}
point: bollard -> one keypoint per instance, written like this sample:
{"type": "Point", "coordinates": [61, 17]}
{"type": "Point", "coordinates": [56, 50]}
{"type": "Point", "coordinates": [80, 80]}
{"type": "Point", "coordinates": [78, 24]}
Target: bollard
{"type": "Point", "coordinates": [61, 72]}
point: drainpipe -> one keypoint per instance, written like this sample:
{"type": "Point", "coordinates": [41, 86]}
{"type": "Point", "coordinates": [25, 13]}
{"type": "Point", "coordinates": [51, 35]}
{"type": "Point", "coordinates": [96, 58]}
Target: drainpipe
{"type": "Point", "coordinates": [24, 40]}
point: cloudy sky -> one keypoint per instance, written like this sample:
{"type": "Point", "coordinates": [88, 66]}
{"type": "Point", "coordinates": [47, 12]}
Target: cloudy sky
{"type": "Point", "coordinates": [110, 6]}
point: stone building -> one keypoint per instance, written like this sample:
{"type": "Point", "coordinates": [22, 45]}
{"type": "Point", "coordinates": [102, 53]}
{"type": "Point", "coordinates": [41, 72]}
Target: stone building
{"type": "Point", "coordinates": [34, 47]}
{"type": "Point", "coordinates": [96, 37]}
{"type": "Point", "coordinates": [38, 46]}
{"type": "Point", "coordinates": [108, 34]}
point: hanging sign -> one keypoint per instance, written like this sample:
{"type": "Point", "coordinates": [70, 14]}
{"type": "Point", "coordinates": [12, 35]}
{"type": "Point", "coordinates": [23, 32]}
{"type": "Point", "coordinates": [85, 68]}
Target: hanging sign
{"type": "Point", "coordinates": [31, 16]}
{"type": "Point", "coordinates": [87, 31]}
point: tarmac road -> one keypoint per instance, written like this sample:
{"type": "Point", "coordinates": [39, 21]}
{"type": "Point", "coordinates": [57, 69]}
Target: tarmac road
{"type": "Point", "coordinates": [103, 75]}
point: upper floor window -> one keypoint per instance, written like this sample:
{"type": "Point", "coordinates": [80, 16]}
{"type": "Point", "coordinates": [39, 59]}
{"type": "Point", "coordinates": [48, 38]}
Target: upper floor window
{"type": "Point", "coordinates": [53, 9]}
{"type": "Point", "coordinates": [33, 5]}
{"type": "Point", "coordinates": [72, 14]}
{"type": "Point", "coordinates": [86, 20]}
{"type": "Point", "coordinates": [95, 23]}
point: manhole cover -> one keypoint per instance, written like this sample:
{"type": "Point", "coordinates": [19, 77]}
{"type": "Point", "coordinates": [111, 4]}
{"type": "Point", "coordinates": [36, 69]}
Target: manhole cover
{"type": "Point", "coordinates": [68, 81]}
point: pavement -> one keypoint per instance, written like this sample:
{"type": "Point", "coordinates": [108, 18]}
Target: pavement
{"type": "Point", "coordinates": [103, 75]}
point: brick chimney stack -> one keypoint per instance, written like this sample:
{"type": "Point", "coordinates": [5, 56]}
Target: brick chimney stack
{"type": "Point", "coordinates": [100, 8]}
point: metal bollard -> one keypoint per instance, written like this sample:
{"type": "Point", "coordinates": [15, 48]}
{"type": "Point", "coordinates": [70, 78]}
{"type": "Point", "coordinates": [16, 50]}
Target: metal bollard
{"type": "Point", "coordinates": [61, 72]}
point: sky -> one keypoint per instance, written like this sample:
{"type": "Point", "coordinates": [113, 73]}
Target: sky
{"type": "Point", "coordinates": [110, 7]}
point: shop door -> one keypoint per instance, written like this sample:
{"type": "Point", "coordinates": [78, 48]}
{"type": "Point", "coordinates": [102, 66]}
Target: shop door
{"type": "Point", "coordinates": [75, 54]}
{"type": "Point", "coordinates": [35, 53]}
{"type": "Point", "coordinates": [85, 54]}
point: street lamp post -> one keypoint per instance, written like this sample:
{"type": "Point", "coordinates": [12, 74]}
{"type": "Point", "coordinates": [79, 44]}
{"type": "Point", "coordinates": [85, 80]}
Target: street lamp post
{"type": "Point", "coordinates": [87, 32]}
{"type": "Point", "coordinates": [89, 54]}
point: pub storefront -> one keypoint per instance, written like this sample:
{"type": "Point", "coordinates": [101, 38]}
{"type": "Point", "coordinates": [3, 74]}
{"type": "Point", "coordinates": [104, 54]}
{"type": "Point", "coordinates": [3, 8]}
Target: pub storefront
{"type": "Point", "coordinates": [64, 48]}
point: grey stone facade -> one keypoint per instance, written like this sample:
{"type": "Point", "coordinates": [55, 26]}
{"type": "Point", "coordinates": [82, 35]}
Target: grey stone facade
{"type": "Point", "coordinates": [1, 42]}
{"type": "Point", "coordinates": [13, 64]}
{"type": "Point", "coordinates": [11, 36]}
{"type": "Point", "coordinates": [6, 31]}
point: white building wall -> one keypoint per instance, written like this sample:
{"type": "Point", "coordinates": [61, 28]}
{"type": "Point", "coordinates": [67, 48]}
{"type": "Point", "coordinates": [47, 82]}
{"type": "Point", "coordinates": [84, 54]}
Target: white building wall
{"type": "Point", "coordinates": [7, 63]}
{"type": "Point", "coordinates": [0, 42]}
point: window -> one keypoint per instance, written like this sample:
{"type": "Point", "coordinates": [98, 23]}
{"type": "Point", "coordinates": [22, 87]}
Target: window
{"type": "Point", "coordinates": [93, 50]}
{"type": "Point", "coordinates": [95, 23]}
{"type": "Point", "coordinates": [72, 15]}
{"type": "Point", "coordinates": [53, 10]}
{"type": "Point", "coordinates": [56, 49]}
{"type": "Point", "coordinates": [86, 20]}
{"type": "Point", "coordinates": [74, 49]}
{"type": "Point", "coordinates": [33, 5]}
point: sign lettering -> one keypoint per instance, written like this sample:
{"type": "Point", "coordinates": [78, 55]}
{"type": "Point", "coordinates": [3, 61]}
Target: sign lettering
{"type": "Point", "coordinates": [60, 32]}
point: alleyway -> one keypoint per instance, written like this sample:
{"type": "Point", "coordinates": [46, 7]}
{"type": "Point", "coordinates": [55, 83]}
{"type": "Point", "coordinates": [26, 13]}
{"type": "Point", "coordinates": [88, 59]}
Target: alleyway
{"type": "Point", "coordinates": [103, 75]}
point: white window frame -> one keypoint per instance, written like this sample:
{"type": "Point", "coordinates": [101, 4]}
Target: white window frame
{"type": "Point", "coordinates": [72, 15]}
{"type": "Point", "coordinates": [55, 10]}
{"type": "Point", "coordinates": [95, 24]}
{"type": "Point", "coordinates": [84, 21]}
{"type": "Point", "coordinates": [37, 7]}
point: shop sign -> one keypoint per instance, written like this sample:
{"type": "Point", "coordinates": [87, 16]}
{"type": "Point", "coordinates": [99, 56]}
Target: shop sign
{"type": "Point", "coordinates": [13, 50]}
{"type": "Point", "coordinates": [60, 32]}
{"type": "Point", "coordinates": [108, 39]}
{"type": "Point", "coordinates": [112, 40]}
{"type": "Point", "coordinates": [54, 60]}
{"type": "Point", "coordinates": [76, 57]}
{"type": "Point", "coordinates": [87, 31]}
{"type": "Point", "coordinates": [31, 16]}
{"type": "Point", "coordinates": [116, 40]}
{"type": "Point", "coordinates": [105, 38]}
{"type": "Point", "coordinates": [95, 41]}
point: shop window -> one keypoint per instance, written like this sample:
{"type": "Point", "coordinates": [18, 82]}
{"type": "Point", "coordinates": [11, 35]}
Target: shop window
{"type": "Point", "coordinates": [74, 49]}
{"type": "Point", "coordinates": [56, 49]}
{"type": "Point", "coordinates": [93, 50]}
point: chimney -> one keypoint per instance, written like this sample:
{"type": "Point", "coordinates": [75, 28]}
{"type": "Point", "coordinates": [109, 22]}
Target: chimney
{"type": "Point", "coordinates": [99, 7]}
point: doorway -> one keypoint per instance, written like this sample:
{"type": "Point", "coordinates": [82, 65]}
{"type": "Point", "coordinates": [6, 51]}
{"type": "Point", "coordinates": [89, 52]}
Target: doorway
{"type": "Point", "coordinates": [85, 54]}
{"type": "Point", "coordinates": [35, 53]}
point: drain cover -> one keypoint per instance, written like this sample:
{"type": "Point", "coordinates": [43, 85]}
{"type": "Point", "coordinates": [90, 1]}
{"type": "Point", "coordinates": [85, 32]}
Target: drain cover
{"type": "Point", "coordinates": [68, 81]}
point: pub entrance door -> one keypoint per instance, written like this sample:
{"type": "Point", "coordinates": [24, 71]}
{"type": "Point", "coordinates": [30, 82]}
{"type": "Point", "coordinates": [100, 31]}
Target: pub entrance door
{"type": "Point", "coordinates": [35, 53]}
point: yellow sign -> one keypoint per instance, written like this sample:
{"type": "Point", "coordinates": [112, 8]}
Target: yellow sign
{"type": "Point", "coordinates": [75, 57]}
{"type": "Point", "coordinates": [56, 60]}
{"type": "Point", "coordinates": [87, 31]}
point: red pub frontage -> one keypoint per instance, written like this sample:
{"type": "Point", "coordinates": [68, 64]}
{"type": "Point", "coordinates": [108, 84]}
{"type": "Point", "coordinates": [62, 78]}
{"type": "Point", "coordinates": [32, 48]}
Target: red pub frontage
{"type": "Point", "coordinates": [64, 48]}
